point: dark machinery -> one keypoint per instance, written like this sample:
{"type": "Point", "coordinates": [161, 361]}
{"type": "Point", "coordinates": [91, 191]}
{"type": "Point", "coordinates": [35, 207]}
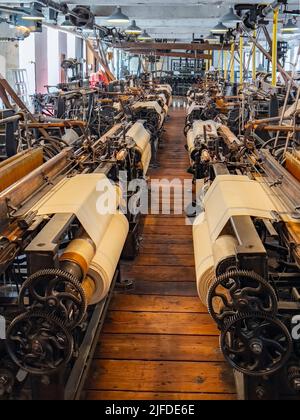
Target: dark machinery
{"type": "Point", "coordinates": [246, 255]}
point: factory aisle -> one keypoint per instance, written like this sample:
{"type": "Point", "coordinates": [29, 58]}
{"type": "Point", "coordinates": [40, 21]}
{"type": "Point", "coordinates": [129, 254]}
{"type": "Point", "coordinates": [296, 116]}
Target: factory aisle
{"type": "Point", "coordinates": [158, 341]}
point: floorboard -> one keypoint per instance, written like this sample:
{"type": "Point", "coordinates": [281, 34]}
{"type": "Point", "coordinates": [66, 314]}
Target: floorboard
{"type": "Point", "coordinates": [158, 341]}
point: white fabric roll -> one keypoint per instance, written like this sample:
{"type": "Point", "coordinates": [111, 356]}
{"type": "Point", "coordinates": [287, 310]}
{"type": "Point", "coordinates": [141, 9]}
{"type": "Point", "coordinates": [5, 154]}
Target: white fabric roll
{"type": "Point", "coordinates": [79, 196]}
{"type": "Point", "coordinates": [204, 261]}
{"type": "Point", "coordinates": [104, 264]}
{"type": "Point", "coordinates": [142, 139]}
{"type": "Point", "coordinates": [234, 195]}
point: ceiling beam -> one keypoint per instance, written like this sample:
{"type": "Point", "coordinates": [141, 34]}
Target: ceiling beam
{"type": "Point", "coordinates": [151, 46]}
{"type": "Point", "coordinates": [175, 54]}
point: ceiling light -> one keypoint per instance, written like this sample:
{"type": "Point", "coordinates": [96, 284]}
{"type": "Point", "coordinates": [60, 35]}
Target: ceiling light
{"type": "Point", "coordinates": [145, 37]}
{"type": "Point", "coordinates": [35, 13]}
{"type": "Point", "coordinates": [133, 29]}
{"type": "Point", "coordinates": [118, 17]}
{"type": "Point", "coordinates": [219, 29]}
{"type": "Point", "coordinates": [231, 19]}
{"type": "Point", "coordinates": [67, 23]}
{"type": "Point", "coordinates": [211, 37]}
{"type": "Point", "coordinates": [289, 27]}
{"type": "Point", "coordinates": [261, 69]}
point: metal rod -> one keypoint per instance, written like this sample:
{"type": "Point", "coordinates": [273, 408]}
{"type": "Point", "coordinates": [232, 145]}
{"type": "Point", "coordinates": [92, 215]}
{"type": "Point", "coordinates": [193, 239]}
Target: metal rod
{"type": "Point", "coordinates": [284, 74]}
{"type": "Point", "coordinates": [275, 48]}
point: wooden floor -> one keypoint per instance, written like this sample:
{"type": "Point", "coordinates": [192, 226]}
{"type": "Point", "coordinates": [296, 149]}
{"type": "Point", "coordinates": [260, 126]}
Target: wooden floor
{"type": "Point", "coordinates": [158, 341]}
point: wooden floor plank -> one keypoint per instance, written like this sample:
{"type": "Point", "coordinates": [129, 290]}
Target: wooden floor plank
{"type": "Point", "coordinates": [159, 323]}
{"type": "Point", "coordinates": [136, 303]}
{"type": "Point", "coordinates": [159, 347]}
{"type": "Point", "coordinates": [163, 239]}
{"type": "Point", "coordinates": [163, 288]}
{"type": "Point", "coordinates": [131, 375]}
{"type": "Point", "coordinates": [166, 249]}
{"type": "Point", "coordinates": [165, 259]}
{"type": "Point", "coordinates": [166, 396]}
{"type": "Point", "coordinates": [157, 273]}
{"type": "Point", "coordinates": [158, 341]}
{"type": "Point", "coordinates": [168, 230]}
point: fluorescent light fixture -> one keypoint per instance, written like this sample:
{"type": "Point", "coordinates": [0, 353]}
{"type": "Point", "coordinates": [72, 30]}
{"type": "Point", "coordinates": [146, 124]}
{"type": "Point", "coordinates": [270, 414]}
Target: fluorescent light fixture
{"type": "Point", "coordinates": [118, 17]}
{"type": "Point", "coordinates": [145, 37]}
{"type": "Point", "coordinates": [211, 37]}
{"type": "Point", "coordinates": [67, 23]}
{"type": "Point", "coordinates": [133, 29]}
{"type": "Point", "coordinates": [260, 69]}
{"type": "Point", "coordinates": [231, 19]}
{"type": "Point", "coordinates": [219, 29]}
{"type": "Point", "coordinates": [289, 27]}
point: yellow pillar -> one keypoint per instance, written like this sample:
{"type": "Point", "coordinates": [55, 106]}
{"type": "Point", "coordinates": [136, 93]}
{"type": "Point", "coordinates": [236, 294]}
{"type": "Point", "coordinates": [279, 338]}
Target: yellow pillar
{"type": "Point", "coordinates": [232, 63]}
{"type": "Point", "coordinates": [207, 63]}
{"type": "Point", "coordinates": [274, 47]}
{"type": "Point", "coordinates": [225, 65]}
{"type": "Point", "coordinates": [254, 59]}
{"type": "Point", "coordinates": [241, 60]}
{"type": "Point", "coordinates": [219, 60]}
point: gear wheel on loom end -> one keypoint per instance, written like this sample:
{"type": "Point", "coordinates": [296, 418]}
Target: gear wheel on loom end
{"type": "Point", "coordinates": [39, 343]}
{"type": "Point", "coordinates": [240, 291]}
{"type": "Point", "coordinates": [56, 292]}
{"type": "Point", "coordinates": [256, 344]}
{"type": "Point", "coordinates": [294, 378]}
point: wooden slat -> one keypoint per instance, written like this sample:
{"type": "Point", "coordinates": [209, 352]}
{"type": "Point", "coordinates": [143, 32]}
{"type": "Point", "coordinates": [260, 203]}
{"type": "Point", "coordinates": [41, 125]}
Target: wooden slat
{"type": "Point", "coordinates": [163, 288]}
{"type": "Point", "coordinates": [159, 347]}
{"type": "Point", "coordinates": [167, 249]}
{"type": "Point", "coordinates": [164, 239]}
{"type": "Point", "coordinates": [160, 376]}
{"type": "Point", "coordinates": [163, 259]}
{"type": "Point", "coordinates": [158, 274]}
{"type": "Point", "coordinates": [138, 303]}
{"type": "Point", "coordinates": [166, 396]}
{"type": "Point", "coordinates": [160, 323]}
{"type": "Point", "coordinates": [167, 230]}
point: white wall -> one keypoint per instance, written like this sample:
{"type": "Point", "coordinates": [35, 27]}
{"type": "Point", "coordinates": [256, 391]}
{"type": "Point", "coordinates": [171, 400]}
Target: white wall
{"type": "Point", "coordinates": [53, 57]}
{"type": "Point", "coordinates": [27, 61]}
{"type": "Point", "coordinates": [71, 46]}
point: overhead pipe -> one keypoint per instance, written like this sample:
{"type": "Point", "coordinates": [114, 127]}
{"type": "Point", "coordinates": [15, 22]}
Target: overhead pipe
{"type": "Point", "coordinates": [275, 48]}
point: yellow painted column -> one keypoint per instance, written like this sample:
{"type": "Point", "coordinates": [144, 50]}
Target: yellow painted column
{"type": "Point", "coordinates": [274, 47]}
{"type": "Point", "coordinates": [254, 58]}
{"type": "Point", "coordinates": [219, 60]}
{"type": "Point", "coordinates": [241, 60]}
{"type": "Point", "coordinates": [232, 63]}
{"type": "Point", "coordinates": [207, 63]}
{"type": "Point", "coordinates": [225, 65]}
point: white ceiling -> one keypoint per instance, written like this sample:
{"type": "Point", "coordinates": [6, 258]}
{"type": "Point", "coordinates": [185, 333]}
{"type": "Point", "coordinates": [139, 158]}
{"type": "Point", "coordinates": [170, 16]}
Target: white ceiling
{"type": "Point", "coordinates": [171, 19]}
{"type": "Point", "coordinates": [178, 19]}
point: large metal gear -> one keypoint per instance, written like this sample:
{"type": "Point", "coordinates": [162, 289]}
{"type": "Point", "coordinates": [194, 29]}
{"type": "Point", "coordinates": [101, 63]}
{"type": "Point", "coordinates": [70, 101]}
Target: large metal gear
{"type": "Point", "coordinates": [294, 378]}
{"type": "Point", "coordinates": [39, 343]}
{"type": "Point", "coordinates": [256, 344]}
{"type": "Point", "coordinates": [7, 381]}
{"type": "Point", "coordinates": [55, 292]}
{"type": "Point", "coordinates": [240, 291]}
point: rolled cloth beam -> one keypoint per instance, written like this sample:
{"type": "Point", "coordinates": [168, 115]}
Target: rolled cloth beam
{"type": "Point", "coordinates": [104, 264]}
{"type": "Point", "coordinates": [142, 139]}
{"type": "Point", "coordinates": [83, 195]}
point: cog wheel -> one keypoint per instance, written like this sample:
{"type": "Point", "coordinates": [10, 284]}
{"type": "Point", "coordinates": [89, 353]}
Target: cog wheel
{"type": "Point", "coordinates": [7, 381]}
{"type": "Point", "coordinates": [39, 343]}
{"type": "Point", "coordinates": [56, 292]}
{"type": "Point", "coordinates": [240, 291]}
{"type": "Point", "coordinates": [294, 378]}
{"type": "Point", "coordinates": [256, 344]}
